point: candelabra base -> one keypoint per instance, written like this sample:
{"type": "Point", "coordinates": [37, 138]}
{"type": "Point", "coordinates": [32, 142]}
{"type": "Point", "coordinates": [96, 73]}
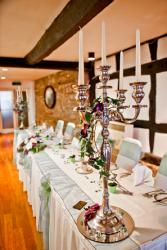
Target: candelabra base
{"type": "Point", "coordinates": [85, 168]}
{"type": "Point", "coordinates": [114, 227]}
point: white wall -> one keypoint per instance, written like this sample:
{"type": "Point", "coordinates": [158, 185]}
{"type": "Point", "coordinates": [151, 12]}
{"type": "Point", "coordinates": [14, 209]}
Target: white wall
{"type": "Point", "coordinates": [160, 142]}
{"type": "Point", "coordinates": [161, 98]}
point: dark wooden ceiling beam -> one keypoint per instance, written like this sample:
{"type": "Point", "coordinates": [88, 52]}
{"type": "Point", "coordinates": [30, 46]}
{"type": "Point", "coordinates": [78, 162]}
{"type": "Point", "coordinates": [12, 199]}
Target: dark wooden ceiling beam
{"type": "Point", "coordinates": [74, 15]}
{"type": "Point", "coordinates": [21, 63]}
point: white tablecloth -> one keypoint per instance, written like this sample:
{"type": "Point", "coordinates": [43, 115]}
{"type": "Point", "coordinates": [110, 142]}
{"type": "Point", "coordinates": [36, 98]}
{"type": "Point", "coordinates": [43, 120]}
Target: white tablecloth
{"type": "Point", "coordinates": [150, 218]}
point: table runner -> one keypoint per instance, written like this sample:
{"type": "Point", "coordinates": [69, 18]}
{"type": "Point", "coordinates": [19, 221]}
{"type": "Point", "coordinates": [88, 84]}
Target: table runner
{"type": "Point", "coordinates": [120, 245]}
{"type": "Point", "coordinates": [71, 193]}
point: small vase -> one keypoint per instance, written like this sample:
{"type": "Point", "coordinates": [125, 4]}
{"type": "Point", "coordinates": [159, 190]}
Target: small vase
{"type": "Point", "coordinates": [112, 187]}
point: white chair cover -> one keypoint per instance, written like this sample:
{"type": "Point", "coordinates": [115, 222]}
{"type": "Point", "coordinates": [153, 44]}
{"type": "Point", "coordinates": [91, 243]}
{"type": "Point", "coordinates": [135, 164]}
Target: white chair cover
{"type": "Point", "coordinates": [129, 154]}
{"type": "Point", "coordinates": [59, 127]}
{"type": "Point", "coordinates": [161, 177]}
{"type": "Point", "coordinates": [68, 134]}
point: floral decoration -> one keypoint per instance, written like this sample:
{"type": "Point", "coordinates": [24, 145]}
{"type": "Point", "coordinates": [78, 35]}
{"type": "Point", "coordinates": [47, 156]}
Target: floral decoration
{"type": "Point", "coordinates": [31, 144]}
{"type": "Point", "coordinates": [20, 108]}
{"type": "Point", "coordinates": [89, 119]}
{"type": "Point", "coordinates": [90, 212]}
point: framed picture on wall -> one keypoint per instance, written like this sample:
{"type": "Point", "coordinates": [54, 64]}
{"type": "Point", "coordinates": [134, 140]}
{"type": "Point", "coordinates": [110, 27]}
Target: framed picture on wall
{"type": "Point", "coordinates": [50, 97]}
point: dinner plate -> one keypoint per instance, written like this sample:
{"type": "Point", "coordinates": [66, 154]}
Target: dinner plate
{"type": "Point", "coordinates": [161, 198]}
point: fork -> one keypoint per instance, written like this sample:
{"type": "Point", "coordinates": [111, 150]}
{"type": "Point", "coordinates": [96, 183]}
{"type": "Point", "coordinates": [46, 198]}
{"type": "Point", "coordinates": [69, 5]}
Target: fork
{"type": "Point", "coordinates": [152, 193]}
{"type": "Point", "coordinates": [165, 198]}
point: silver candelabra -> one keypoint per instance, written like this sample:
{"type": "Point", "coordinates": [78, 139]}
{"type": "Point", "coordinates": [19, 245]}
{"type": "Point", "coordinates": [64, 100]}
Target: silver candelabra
{"type": "Point", "coordinates": [110, 224]}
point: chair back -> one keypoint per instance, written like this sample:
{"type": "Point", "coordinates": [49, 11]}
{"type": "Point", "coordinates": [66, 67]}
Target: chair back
{"type": "Point", "coordinates": [69, 130]}
{"type": "Point", "coordinates": [59, 127]}
{"type": "Point", "coordinates": [161, 177]}
{"type": "Point", "coordinates": [163, 166]}
{"type": "Point", "coordinates": [129, 153]}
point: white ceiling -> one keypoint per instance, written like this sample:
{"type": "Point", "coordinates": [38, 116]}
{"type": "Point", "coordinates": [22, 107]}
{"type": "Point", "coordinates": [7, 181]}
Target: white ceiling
{"type": "Point", "coordinates": [23, 22]}
{"type": "Point", "coordinates": [122, 18]}
{"type": "Point", "coordinates": [21, 74]}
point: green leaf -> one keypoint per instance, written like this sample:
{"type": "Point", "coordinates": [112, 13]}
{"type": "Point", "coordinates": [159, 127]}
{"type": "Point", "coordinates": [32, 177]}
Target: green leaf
{"type": "Point", "coordinates": [82, 154]}
{"type": "Point", "coordinates": [96, 166]}
{"type": "Point", "coordinates": [71, 159]}
{"type": "Point", "coordinates": [115, 101]}
{"type": "Point", "coordinates": [103, 173]}
{"type": "Point", "coordinates": [88, 116]}
{"type": "Point", "coordinates": [100, 162]}
{"type": "Point", "coordinates": [33, 150]}
{"type": "Point", "coordinates": [111, 141]}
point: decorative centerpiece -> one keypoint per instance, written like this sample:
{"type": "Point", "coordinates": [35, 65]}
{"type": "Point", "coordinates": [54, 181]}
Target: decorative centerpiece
{"type": "Point", "coordinates": [32, 144]}
{"type": "Point", "coordinates": [105, 223]}
{"type": "Point", "coordinates": [20, 108]}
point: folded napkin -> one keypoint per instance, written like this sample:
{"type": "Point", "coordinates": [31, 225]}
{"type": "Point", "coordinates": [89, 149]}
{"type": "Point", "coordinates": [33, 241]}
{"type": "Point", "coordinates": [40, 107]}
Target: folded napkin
{"type": "Point", "coordinates": [30, 144]}
{"type": "Point", "coordinates": [51, 129]}
{"type": "Point", "coordinates": [44, 125]}
{"type": "Point", "coordinates": [58, 140]}
{"type": "Point", "coordinates": [143, 174]}
{"type": "Point", "coordinates": [75, 143]}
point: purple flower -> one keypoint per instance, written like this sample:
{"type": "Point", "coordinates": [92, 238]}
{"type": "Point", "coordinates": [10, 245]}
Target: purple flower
{"type": "Point", "coordinates": [90, 212]}
{"type": "Point", "coordinates": [98, 107]}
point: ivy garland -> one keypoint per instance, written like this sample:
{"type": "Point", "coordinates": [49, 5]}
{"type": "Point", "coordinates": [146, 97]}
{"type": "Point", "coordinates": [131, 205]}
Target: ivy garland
{"type": "Point", "coordinates": [89, 121]}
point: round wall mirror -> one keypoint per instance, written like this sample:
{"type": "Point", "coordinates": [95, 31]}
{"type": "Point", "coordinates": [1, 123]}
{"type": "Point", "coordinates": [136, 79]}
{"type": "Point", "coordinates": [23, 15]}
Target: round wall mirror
{"type": "Point", "coordinates": [50, 97]}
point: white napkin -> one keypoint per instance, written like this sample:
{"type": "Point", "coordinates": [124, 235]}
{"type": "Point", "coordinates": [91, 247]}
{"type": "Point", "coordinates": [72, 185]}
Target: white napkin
{"type": "Point", "coordinates": [26, 140]}
{"type": "Point", "coordinates": [44, 125]}
{"type": "Point", "coordinates": [33, 140]}
{"type": "Point", "coordinates": [29, 145]}
{"type": "Point", "coordinates": [142, 174]}
{"type": "Point", "coordinates": [75, 143]}
{"type": "Point", "coordinates": [51, 129]}
{"type": "Point", "coordinates": [58, 140]}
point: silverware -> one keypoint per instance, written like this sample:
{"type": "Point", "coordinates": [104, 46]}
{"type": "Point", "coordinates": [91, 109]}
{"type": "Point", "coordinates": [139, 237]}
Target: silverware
{"type": "Point", "coordinates": [160, 200]}
{"type": "Point", "coordinates": [124, 175]}
{"type": "Point", "coordinates": [152, 193]}
{"type": "Point", "coordinates": [125, 191]}
{"type": "Point", "coordinates": [113, 178]}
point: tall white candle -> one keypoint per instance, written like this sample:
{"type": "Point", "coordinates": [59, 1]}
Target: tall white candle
{"type": "Point", "coordinates": [17, 95]}
{"type": "Point", "coordinates": [103, 45]}
{"type": "Point", "coordinates": [81, 60]}
{"type": "Point", "coordinates": [121, 71]}
{"type": "Point", "coordinates": [138, 63]}
{"type": "Point", "coordinates": [20, 93]}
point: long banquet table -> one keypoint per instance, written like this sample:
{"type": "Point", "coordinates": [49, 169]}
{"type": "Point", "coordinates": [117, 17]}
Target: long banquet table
{"type": "Point", "coordinates": [56, 217]}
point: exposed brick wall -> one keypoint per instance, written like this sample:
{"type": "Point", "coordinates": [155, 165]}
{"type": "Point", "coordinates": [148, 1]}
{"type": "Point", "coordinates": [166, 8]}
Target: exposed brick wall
{"type": "Point", "coordinates": [62, 82]}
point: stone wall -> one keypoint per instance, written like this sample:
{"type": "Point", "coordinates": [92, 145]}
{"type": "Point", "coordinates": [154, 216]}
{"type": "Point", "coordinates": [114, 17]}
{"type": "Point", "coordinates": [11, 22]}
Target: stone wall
{"type": "Point", "coordinates": [62, 82]}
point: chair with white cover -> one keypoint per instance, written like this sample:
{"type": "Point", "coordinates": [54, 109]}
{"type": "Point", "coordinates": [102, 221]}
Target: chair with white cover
{"type": "Point", "coordinates": [161, 177]}
{"type": "Point", "coordinates": [59, 127]}
{"type": "Point", "coordinates": [129, 154]}
{"type": "Point", "coordinates": [69, 131]}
